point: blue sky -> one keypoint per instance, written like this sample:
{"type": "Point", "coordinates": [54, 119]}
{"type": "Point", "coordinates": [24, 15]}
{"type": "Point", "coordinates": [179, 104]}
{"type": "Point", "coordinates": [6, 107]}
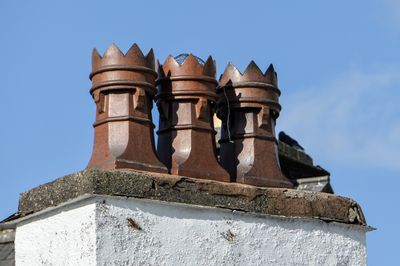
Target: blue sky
{"type": "Point", "coordinates": [338, 64]}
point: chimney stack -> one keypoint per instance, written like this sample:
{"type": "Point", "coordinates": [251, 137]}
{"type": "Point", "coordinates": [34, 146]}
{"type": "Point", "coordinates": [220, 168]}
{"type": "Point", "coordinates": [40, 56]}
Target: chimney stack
{"type": "Point", "coordinates": [123, 88]}
{"type": "Point", "coordinates": [185, 99]}
{"type": "Point", "coordinates": [112, 217]}
{"type": "Point", "coordinates": [248, 107]}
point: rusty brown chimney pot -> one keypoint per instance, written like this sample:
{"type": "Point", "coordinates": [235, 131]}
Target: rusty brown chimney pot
{"type": "Point", "coordinates": [185, 99]}
{"type": "Point", "coordinates": [123, 88]}
{"type": "Point", "coordinates": [248, 107]}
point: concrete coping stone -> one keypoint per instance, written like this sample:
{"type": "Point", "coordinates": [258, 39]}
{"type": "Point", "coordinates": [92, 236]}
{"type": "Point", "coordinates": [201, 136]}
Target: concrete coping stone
{"type": "Point", "coordinates": [178, 189]}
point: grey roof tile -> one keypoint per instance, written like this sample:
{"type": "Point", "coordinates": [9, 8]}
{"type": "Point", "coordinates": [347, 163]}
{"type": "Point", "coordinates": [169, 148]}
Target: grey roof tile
{"type": "Point", "coordinates": [7, 252]}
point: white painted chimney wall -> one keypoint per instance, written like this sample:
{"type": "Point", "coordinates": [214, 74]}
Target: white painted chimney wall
{"type": "Point", "coordinates": [105, 230]}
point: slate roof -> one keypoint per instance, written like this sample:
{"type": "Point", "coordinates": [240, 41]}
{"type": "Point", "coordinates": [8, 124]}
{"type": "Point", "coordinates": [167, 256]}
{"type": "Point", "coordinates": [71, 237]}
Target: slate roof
{"type": "Point", "coordinates": [299, 167]}
{"type": "Point", "coordinates": [296, 165]}
{"type": "Point", "coordinates": [7, 253]}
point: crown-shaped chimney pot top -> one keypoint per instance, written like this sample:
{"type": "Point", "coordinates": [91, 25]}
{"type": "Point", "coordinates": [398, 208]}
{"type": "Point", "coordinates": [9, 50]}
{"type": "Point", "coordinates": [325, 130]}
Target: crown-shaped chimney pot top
{"type": "Point", "coordinates": [252, 73]}
{"type": "Point", "coordinates": [174, 66]}
{"type": "Point", "coordinates": [114, 56]}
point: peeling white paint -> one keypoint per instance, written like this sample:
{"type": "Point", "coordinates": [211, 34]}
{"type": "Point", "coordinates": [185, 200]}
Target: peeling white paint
{"type": "Point", "coordinates": [97, 232]}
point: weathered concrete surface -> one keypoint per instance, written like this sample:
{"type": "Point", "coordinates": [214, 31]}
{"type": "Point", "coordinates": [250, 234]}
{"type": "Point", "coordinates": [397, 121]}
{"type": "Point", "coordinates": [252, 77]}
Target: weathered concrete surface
{"type": "Point", "coordinates": [233, 196]}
